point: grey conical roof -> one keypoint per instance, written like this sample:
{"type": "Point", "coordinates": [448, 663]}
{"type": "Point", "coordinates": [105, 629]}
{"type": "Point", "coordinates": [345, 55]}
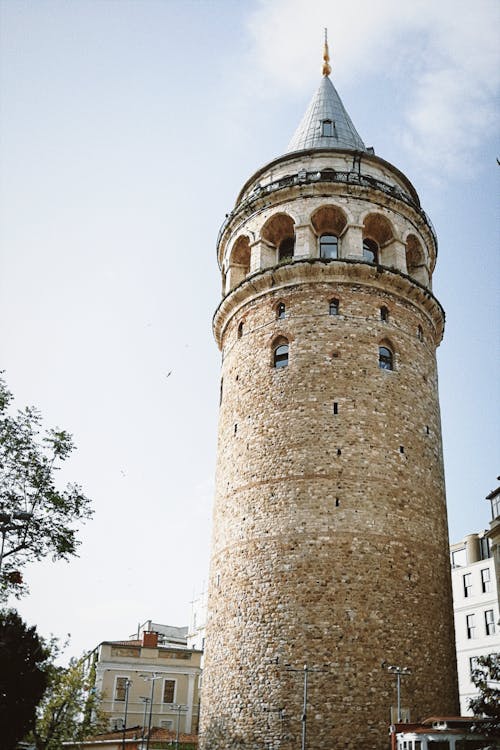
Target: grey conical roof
{"type": "Point", "coordinates": [326, 105]}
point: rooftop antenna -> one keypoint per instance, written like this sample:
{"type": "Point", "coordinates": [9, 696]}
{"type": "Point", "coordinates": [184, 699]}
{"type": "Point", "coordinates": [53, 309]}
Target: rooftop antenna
{"type": "Point", "coordinates": [327, 68]}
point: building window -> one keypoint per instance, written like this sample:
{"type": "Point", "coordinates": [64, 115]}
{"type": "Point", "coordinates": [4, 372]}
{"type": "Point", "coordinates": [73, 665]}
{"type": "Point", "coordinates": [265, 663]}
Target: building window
{"type": "Point", "coordinates": [328, 246]}
{"type": "Point", "coordinates": [240, 330]}
{"type": "Point", "coordinates": [384, 314]}
{"type": "Point", "coordinates": [168, 691]}
{"type": "Point", "coordinates": [327, 128]}
{"type": "Point", "coordinates": [280, 310]}
{"type": "Point", "coordinates": [471, 626]}
{"type": "Point", "coordinates": [459, 558]}
{"type": "Point", "coordinates": [489, 622]}
{"type": "Point", "coordinates": [121, 688]}
{"type": "Point", "coordinates": [485, 580]}
{"type": "Point", "coordinates": [485, 549]}
{"type": "Point", "coordinates": [467, 585]}
{"type": "Point", "coordinates": [334, 307]}
{"type": "Point", "coordinates": [370, 251]}
{"type": "Point", "coordinates": [473, 664]}
{"type": "Point", "coordinates": [285, 249]}
{"type": "Point", "coordinates": [280, 358]}
{"type": "Point", "coordinates": [420, 333]}
{"type": "Point", "coordinates": [385, 361]}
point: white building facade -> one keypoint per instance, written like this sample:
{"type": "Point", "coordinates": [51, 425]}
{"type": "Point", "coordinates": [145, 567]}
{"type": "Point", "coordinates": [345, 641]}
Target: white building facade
{"type": "Point", "coordinates": [476, 611]}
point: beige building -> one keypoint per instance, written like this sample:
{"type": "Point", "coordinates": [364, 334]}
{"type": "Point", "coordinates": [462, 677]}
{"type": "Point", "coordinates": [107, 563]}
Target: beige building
{"type": "Point", "coordinates": [330, 543]}
{"type": "Point", "coordinates": [150, 680]}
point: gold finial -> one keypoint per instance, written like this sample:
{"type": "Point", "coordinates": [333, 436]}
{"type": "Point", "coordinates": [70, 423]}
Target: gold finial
{"type": "Point", "coordinates": [327, 68]}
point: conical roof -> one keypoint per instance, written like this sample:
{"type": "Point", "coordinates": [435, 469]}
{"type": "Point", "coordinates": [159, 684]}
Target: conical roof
{"type": "Point", "coordinates": [326, 123]}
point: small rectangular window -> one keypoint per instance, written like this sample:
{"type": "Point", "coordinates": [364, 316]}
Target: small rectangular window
{"type": "Point", "coordinates": [168, 691]}
{"type": "Point", "coordinates": [120, 688]}
{"type": "Point", "coordinates": [472, 663]}
{"type": "Point", "coordinates": [467, 585]}
{"type": "Point", "coordinates": [335, 407]}
{"type": "Point", "coordinates": [485, 580]}
{"type": "Point", "coordinates": [327, 128]}
{"type": "Point", "coordinates": [471, 626]}
{"type": "Point", "coordinates": [489, 622]}
{"type": "Point", "coordinates": [484, 544]}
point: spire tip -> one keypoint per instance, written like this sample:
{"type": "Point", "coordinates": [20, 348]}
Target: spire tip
{"type": "Point", "coordinates": [327, 69]}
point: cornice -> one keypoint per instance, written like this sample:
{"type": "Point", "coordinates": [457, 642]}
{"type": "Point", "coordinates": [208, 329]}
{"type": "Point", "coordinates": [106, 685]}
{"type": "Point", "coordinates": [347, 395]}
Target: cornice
{"type": "Point", "coordinates": [318, 270]}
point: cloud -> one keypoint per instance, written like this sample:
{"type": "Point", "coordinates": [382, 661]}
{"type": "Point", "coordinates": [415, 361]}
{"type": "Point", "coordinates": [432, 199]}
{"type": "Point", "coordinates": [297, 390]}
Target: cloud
{"type": "Point", "coordinates": [443, 55]}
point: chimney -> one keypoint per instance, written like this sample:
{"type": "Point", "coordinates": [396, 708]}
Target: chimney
{"type": "Point", "coordinates": [149, 639]}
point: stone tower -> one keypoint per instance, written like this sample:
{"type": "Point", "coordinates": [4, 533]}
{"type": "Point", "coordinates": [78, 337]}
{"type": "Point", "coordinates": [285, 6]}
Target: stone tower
{"type": "Point", "coordinates": [330, 545]}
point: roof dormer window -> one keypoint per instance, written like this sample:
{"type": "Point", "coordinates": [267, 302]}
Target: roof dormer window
{"type": "Point", "coordinates": [327, 127]}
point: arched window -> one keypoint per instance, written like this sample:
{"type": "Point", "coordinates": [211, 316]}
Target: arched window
{"type": "Point", "coordinates": [280, 310]}
{"type": "Point", "coordinates": [385, 358]}
{"type": "Point", "coordinates": [285, 249]}
{"type": "Point", "coordinates": [384, 314]}
{"type": "Point", "coordinates": [280, 357]}
{"type": "Point", "coordinates": [370, 251]}
{"type": "Point", "coordinates": [240, 330]}
{"type": "Point", "coordinates": [334, 307]}
{"type": "Point", "coordinates": [328, 246]}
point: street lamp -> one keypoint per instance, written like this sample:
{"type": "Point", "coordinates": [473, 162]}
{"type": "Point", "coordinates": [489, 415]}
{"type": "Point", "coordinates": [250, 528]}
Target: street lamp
{"type": "Point", "coordinates": [306, 671]}
{"type": "Point", "coordinates": [127, 687]}
{"type": "Point", "coordinates": [399, 672]}
{"type": "Point", "coordinates": [151, 678]}
{"type": "Point", "coordinates": [179, 707]}
{"type": "Point", "coordinates": [145, 700]}
{"type": "Point", "coordinates": [6, 525]}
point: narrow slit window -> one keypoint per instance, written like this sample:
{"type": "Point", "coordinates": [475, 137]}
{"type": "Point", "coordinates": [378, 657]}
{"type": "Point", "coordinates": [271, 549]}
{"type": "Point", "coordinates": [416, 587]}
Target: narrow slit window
{"type": "Point", "coordinates": [335, 407]}
{"type": "Point", "coordinates": [240, 330]}
{"type": "Point", "coordinates": [384, 314]}
{"type": "Point", "coordinates": [281, 356]}
{"type": "Point", "coordinates": [420, 333]}
{"type": "Point", "coordinates": [280, 310]}
{"type": "Point", "coordinates": [328, 246]}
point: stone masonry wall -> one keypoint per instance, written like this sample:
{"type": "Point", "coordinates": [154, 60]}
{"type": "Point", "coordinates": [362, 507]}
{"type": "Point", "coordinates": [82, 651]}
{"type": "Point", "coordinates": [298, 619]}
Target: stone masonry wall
{"type": "Point", "coordinates": [330, 540]}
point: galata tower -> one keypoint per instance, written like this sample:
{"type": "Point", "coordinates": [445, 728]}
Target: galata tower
{"type": "Point", "coordinates": [330, 543]}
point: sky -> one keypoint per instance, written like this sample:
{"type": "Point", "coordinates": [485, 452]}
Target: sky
{"type": "Point", "coordinates": [127, 128]}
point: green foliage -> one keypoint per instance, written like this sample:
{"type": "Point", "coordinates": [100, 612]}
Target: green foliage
{"type": "Point", "coordinates": [486, 678]}
{"type": "Point", "coordinates": [24, 664]}
{"type": "Point", "coordinates": [37, 518]}
{"type": "Point", "coordinates": [69, 708]}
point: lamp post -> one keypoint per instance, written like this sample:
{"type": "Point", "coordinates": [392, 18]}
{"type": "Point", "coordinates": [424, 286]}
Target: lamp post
{"type": "Point", "coordinates": [179, 707]}
{"type": "Point", "coordinates": [306, 669]}
{"type": "Point", "coordinates": [150, 678]}
{"type": "Point", "coordinates": [145, 699]}
{"type": "Point", "coordinates": [399, 672]}
{"type": "Point", "coordinates": [127, 687]}
{"type": "Point", "coordinates": [6, 525]}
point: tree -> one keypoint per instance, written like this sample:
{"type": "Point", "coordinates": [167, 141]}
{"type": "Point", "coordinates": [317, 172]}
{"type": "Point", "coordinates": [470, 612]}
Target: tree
{"type": "Point", "coordinates": [24, 660]}
{"type": "Point", "coordinates": [487, 703]}
{"type": "Point", "coordinates": [69, 708]}
{"type": "Point", "coordinates": [36, 518]}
